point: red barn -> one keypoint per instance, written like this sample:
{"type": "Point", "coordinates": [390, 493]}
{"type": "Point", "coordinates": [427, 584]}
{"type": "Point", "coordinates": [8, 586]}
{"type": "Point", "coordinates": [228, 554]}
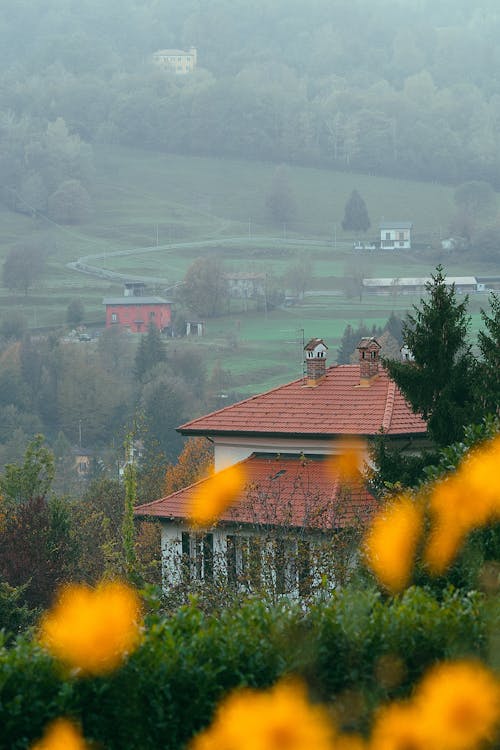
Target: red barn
{"type": "Point", "coordinates": [136, 313]}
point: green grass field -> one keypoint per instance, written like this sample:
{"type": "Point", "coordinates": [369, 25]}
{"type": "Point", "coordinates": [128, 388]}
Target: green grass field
{"type": "Point", "coordinates": [163, 202]}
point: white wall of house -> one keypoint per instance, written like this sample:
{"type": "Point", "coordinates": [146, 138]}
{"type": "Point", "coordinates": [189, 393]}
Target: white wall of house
{"type": "Point", "coordinates": [284, 563]}
{"type": "Point", "coordinates": [395, 238]}
{"type": "Point", "coordinates": [230, 450]}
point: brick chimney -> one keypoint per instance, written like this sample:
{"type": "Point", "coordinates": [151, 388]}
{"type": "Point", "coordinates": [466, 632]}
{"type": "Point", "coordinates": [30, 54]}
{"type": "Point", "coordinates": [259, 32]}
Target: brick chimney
{"type": "Point", "coordinates": [315, 359]}
{"type": "Point", "coordinates": [369, 350]}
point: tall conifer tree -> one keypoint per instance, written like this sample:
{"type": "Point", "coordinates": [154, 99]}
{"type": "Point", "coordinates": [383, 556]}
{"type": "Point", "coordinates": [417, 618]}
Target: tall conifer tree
{"type": "Point", "coordinates": [356, 214]}
{"type": "Point", "coordinates": [439, 382]}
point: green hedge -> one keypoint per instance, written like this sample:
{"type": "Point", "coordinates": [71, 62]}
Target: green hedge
{"type": "Point", "coordinates": [169, 688]}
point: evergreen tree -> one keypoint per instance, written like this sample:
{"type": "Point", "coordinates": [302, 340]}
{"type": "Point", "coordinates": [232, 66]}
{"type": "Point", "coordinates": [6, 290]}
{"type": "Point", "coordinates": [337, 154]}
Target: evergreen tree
{"type": "Point", "coordinates": [350, 339]}
{"type": "Point", "coordinates": [489, 346]}
{"type": "Point", "coordinates": [280, 202]}
{"type": "Point", "coordinates": [394, 326]}
{"type": "Point", "coordinates": [150, 352]}
{"type": "Point", "coordinates": [356, 214]}
{"type": "Point", "coordinates": [439, 382]}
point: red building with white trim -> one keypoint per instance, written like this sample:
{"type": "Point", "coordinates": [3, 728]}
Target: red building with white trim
{"type": "Point", "coordinates": [135, 314]}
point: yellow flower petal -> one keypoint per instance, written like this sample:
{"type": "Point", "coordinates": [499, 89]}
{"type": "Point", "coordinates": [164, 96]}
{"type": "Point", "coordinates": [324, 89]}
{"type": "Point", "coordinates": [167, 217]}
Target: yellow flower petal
{"type": "Point", "coordinates": [348, 460]}
{"type": "Point", "coordinates": [93, 630]}
{"type": "Point", "coordinates": [214, 495]}
{"type": "Point", "coordinates": [398, 727]}
{"type": "Point", "coordinates": [459, 704]}
{"type": "Point", "coordinates": [277, 719]}
{"type": "Point", "coordinates": [61, 735]}
{"type": "Point", "coordinates": [391, 542]}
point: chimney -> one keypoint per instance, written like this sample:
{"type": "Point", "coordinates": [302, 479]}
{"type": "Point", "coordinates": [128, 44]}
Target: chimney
{"type": "Point", "coordinates": [315, 359]}
{"type": "Point", "coordinates": [369, 350]}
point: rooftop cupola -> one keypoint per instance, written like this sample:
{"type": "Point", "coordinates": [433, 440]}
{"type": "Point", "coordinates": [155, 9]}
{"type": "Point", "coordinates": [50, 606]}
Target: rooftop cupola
{"type": "Point", "coordinates": [369, 350]}
{"type": "Point", "coordinates": [315, 359]}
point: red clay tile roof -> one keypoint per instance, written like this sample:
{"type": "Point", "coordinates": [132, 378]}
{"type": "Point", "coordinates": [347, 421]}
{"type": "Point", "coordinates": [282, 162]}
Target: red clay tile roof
{"type": "Point", "coordinates": [281, 491]}
{"type": "Point", "coordinates": [338, 405]}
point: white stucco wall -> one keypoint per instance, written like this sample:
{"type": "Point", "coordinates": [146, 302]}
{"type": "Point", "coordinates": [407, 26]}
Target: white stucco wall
{"type": "Point", "coordinates": [229, 450]}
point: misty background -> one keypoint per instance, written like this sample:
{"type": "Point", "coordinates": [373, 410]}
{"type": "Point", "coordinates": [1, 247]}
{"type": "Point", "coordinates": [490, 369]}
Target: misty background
{"type": "Point", "coordinates": [392, 87]}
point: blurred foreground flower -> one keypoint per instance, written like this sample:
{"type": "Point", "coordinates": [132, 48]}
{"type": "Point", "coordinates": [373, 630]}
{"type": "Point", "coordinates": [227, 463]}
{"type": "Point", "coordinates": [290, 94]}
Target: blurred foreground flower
{"type": "Point", "coordinates": [93, 630]}
{"type": "Point", "coordinates": [348, 459]}
{"type": "Point", "coordinates": [214, 495]}
{"type": "Point", "coordinates": [459, 703]}
{"type": "Point", "coordinates": [61, 735]}
{"type": "Point", "coordinates": [391, 542]}
{"type": "Point", "coordinates": [398, 727]}
{"type": "Point", "coordinates": [466, 500]}
{"type": "Point", "coordinates": [277, 719]}
{"type": "Point", "coordinates": [455, 707]}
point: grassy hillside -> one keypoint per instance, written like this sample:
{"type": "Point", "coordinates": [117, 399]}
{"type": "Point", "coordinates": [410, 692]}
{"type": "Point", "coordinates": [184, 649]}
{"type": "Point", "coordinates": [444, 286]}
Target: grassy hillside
{"type": "Point", "coordinates": [144, 199]}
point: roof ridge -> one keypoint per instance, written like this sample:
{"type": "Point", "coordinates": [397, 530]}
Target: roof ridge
{"type": "Point", "coordinates": [389, 405]}
{"type": "Point", "coordinates": [250, 398]}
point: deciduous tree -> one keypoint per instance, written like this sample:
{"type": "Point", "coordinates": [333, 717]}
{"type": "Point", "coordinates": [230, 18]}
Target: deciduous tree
{"type": "Point", "coordinates": [205, 289]}
{"type": "Point", "coordinates": [23, 267]}
{"type": "Point", "coordinates": [32, 478]}
{"type": "Point", "coordinates": [194, 462]}
{"type": "Point", "coordinates": [75, 312]}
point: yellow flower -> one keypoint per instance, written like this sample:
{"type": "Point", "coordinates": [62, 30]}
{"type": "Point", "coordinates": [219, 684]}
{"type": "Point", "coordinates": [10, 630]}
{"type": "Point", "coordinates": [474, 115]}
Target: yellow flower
{"type": "Point", "coordinates": [464, 501]}
{"type": "Point", "coordinates": [61, 735]}
{"type": "Point", "coordinates": [480, 472]}
{"type": "Point", "coordinates": [277, 719]}
{"type": "Point", "coordinates": [349, 742]}
{"type": "Point", "coordinates": [93, 630]}
{"type": "Point", "coordinates": [391, 542]}
{"type": "Point", "coordinates": [348, 460]}
{"type": "Point", "coordinates": [459, 703]}
{"type": "Point", "coordinates": [398, 727]}
{"type": "Point", "coordinates": [214, 495]}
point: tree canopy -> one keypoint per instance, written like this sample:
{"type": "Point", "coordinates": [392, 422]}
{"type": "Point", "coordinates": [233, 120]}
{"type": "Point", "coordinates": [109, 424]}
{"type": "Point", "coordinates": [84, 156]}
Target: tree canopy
{"type": "Point", "coordinates": [205, 289]}
{"type": "Point", "coordinates": [23, 267]}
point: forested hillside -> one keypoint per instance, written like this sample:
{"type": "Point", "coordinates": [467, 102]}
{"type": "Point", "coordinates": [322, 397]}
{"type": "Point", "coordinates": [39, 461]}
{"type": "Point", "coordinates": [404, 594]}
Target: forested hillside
{"type": "Point", "coordinates": [381, 86]}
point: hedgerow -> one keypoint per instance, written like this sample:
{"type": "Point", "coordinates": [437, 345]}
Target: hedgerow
{"type": "Point", "coordinates": [168, 689]}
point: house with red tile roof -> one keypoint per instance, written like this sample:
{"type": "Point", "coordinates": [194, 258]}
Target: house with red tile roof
{"type": "Point", "coordinates": [283, 439]}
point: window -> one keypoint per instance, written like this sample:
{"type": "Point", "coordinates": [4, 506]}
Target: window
{"type": "Point", "coordinates": [401, 244]}
{"type": "Point", "coordinates": [280, 565]}
{"type": "Point", "coordinates": [208, 557]}
{"type": "Point", "coordinates": [186, 557]}
{"type": "Point", "coordinates": [114, 317]}
{"type": "Point", "coordinates": [304, 567]}
{"type": "Point", "coordinates": [152, 315]}
{"type": "Point", "coordinates": [387, 235]}
{"type": "Point", "coordinates": [231, 559]}
{"type": "Point", "coordinates": [255, 561]}
{"type": "Point", "coordinates": [197, 559]}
